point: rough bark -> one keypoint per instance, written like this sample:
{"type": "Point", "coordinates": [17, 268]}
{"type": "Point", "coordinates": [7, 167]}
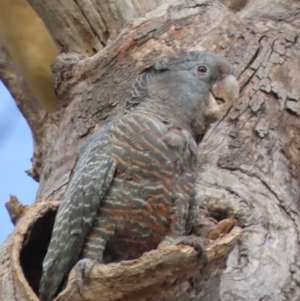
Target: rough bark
{"type": "Point", "coordinates": [248, 162]}
{"type": "Point", "coordinates": [85, 27]}
{"type": "Point", "coordinates": [165, 274]}
{"type": "Point", "coordinates": [157, 275]}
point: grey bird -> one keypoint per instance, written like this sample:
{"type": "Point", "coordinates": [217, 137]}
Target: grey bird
{"type": "Point", "coordinates": [131, 188]}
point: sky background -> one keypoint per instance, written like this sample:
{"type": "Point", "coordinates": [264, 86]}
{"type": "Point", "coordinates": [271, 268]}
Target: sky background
{"type": "Point", "coordinates": [16, 149]}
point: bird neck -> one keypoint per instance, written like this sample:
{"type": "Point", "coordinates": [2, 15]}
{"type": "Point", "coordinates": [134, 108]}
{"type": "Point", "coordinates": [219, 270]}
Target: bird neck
{"type": "Point", "coordinates": [175, 97]}
{"type": "Point", "coordinates": [166, 114]}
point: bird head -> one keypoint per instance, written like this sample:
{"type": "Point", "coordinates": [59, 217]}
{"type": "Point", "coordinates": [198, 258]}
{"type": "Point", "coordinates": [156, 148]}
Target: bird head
{"type": "Point", "coordinates": [196, 88]}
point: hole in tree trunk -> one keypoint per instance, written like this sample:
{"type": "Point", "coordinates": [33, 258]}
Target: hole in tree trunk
{"type": "Point", "coordinates": [219, 213]}
{"type": "Point", "coordinates": [34, 249]}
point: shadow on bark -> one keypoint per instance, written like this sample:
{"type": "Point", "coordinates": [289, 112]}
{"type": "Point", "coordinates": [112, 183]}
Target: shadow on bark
{"type": "Point", "coordinates": [35, 247]}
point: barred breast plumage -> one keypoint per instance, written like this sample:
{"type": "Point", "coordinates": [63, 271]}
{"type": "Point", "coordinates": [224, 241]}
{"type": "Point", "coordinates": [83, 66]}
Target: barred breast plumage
{"type": "Point", "coordinates": [155, 173]}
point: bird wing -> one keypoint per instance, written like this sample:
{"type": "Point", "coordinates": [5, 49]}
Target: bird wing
{"type": "Point", "coordinates": [89, 181]}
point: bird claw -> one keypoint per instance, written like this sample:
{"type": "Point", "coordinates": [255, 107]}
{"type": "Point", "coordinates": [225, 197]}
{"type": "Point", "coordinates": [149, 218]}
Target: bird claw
{"type": "Point", "coordinates": [192, 241]}
{"type": "Point", "coordinates": [82, 269]}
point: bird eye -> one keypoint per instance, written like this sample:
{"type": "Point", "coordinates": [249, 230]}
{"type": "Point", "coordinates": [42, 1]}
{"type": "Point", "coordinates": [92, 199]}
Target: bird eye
{"type": "Point", "coordinates": [202, 69]}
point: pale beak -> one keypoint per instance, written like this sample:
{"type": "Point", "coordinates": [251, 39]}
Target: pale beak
{"type": "Point", "coordinates": [224, 93]}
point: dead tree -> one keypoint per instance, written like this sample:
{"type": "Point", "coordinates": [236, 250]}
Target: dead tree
{"type": "Point", "coordinates": [248, 163]}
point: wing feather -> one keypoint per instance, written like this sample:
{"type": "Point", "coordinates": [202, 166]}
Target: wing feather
{"type": "Point", "coordinates": [89, 181]}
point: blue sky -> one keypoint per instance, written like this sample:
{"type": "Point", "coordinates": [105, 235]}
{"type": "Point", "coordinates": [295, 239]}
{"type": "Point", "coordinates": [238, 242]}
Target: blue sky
{"type": "Point", "coordinates": [16, 148]}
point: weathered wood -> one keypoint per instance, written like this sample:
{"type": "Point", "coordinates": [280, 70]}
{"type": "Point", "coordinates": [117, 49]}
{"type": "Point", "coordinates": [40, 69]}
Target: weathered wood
{"type": "Point", "coordinates": [13, 254]}
{"type": "Point", "coordinates": [248, 163]}
{"type": "Point", "coordinates": [15, 209]}
{"type": "Point", "coordinates": [86, 27]}
{"type": "Point", "coordinates": [171, 269]}
{"type": "Point", "coordinates": [157, 275]}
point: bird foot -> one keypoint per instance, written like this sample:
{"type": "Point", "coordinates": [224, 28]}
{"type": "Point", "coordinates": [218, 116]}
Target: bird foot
{"type": "Point", "coordinates": [82, 269]}
{"type": "Point", "coordinates": [192, 241]}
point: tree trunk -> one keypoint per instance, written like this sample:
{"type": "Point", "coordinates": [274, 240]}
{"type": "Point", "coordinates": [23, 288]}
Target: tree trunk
{"type": "Point", "coordinates": [248, 163]}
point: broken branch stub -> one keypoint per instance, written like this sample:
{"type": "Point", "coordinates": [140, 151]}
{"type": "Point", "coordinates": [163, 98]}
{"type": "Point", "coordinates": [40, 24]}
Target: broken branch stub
{"type": "Point", "coordinates": [15, 209]}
